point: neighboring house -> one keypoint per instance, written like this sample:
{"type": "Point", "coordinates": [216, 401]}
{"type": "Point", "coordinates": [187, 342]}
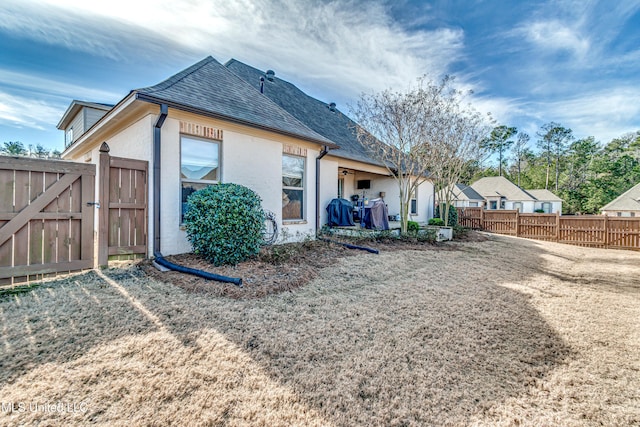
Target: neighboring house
{"type": "Point", "coordinates": [210, 123]}
{"type": "Point", "coordinates": [627, 204]}
{"type": "Point", "coordinates": [463, 196]}
{"type": "Point", "coordinates": [79, 118]}
{"type": "Point", "coordinates": [500, 193]}
{"type": "Point", "coordinates": [546, 201]}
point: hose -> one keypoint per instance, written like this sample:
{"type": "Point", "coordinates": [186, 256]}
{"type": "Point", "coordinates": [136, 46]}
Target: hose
{"type": "Point", "coordinates": [350, 246]}
{"type": "Point", "coordinates": [204, 274]}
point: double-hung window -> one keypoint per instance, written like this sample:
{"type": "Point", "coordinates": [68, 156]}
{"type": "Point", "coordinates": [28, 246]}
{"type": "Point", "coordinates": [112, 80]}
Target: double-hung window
{"type": "Point", "coordinates": [199, 166]}
{"type": "Point", "coordinates": [292, 187]}
{"type": "Point", "coordinates": [413, 205]}
{"type": "Point", "coordinates": [68, 137]}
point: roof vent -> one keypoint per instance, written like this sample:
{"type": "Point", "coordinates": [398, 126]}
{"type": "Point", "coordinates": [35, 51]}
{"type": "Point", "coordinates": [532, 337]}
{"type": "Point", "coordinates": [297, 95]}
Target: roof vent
{"type": "Point", "coordinates": [332, 106]}
{"type": "Point", "coordinates": [270, 75]}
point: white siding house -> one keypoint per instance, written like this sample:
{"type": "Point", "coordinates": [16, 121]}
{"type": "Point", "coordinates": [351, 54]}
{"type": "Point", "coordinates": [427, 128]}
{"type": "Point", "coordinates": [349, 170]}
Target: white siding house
{"type": "Point", "coordinates": [216, 127]}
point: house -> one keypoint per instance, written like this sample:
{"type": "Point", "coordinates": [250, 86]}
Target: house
{"type": "Point", "coordinates": [463, 196]}
{"type": "Point", "coordinates": [500, 193]}
{"type": "Point", "coordinates": [625, 205]}
{"type": "Point", "coordinates": [79, 118]}
{"type": "Point", "coordinates": [215, 123]}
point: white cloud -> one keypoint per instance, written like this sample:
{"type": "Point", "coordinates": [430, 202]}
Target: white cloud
{"type": "Point", "coordinates": [605, 114]}
{"type": "Point", "coordinates": [554, 35]}
{"type": "Point", "coordinates": [25, 112]}
{"type": "Point", "coordinates": [54, 88]}
{"type": "Point", "coordinates": [346, 46]}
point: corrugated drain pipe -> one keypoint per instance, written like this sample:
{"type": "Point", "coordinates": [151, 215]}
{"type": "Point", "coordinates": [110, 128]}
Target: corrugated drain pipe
{"type": "Point", "coordinates": [323, 153]}
{"type": "Point", "coordinates": [159, 258]}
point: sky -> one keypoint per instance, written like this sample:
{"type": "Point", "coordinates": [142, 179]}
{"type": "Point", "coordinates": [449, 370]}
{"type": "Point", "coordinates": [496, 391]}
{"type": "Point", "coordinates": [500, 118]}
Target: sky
{"type": "Point", "coordinates": [575, 62]}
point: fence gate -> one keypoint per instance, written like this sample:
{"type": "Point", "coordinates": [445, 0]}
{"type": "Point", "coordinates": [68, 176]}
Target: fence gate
{"type": "Point", "coordinates": [46, 217]}
{"type": "Point", "coordinates": [123, 214]}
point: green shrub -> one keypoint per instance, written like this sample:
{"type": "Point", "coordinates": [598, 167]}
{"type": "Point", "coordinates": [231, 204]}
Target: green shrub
{"type": "Point", "coordinates": [224, 223]}
{"type": "Point", "coordinates": [436, 221]}
{"type": "Point", "coordinates": [539, 211]}
{"type": "Point", "coordinates": [460, 231]}
{"type": "Point", "coordinates": [413, 226]}
{"type": "Point", "coordinates": [453, 214]}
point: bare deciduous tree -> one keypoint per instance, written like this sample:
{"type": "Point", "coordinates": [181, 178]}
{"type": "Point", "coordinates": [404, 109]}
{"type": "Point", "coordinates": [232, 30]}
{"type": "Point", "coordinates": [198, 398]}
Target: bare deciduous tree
{"type": "Point", "coordinates": [423, 133]}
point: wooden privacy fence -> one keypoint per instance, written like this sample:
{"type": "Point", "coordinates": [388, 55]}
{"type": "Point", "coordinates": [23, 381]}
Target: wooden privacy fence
{"type": "Point", "coordinates": [46, 217]}
{"type": "Point", "coordinates": [123, 213]}
{"type": "Point", "coordinates": [584, 230]}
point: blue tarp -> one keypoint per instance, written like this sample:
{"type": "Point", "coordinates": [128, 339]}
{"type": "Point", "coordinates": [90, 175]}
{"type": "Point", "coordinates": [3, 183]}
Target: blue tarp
{"type": "Point", "coordinates": [340, 213]}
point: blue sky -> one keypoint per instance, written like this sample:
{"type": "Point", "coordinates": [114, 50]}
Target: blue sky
{"type": "Point", "coordinates": [575, 62]}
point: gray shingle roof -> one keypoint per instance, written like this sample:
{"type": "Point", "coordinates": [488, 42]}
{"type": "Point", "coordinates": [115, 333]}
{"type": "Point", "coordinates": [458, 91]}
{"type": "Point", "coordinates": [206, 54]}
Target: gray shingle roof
{"type": "Point", "coordinates": [210, 88]}
{"type": "Point", "coordinates": [314, 113]}
{"type": "Point", "coordinates": [627, 201]}
{"type": "Point", "coordinates": [468, 192]}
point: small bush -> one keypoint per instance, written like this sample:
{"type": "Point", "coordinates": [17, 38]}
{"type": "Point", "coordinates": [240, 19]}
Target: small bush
{"type": "Point", "coordinates": [436, 221]}
{"type": "Point", "coordinates": [460, 231]}
{"type": "Point", "coordinates": [413, 226]}
{"type": "Point", "coordinates": [224, 223]}
{"type": "Point", "coordinates": [539, 211]}
{"type": "Point", "coordinates": [453, 214]}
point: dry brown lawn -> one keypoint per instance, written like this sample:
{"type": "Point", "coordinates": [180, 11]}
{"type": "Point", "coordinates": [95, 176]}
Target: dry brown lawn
{"type": "Point", "coordinates": [501, 332]}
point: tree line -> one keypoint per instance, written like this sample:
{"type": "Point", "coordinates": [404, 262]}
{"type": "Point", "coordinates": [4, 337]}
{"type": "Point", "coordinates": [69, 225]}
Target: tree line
{"type": "Point", "coordinates": [585, 173]}
{"type": "Point", "coordinates": [17, 148]}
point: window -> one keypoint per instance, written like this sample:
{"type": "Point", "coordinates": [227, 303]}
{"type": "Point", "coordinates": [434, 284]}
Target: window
{"type": "Point", "coordinates": [199, 166]}
{"type": "Point", "coordinates": [619, 214]}
{"type": "Point", "coordinates": [292, 187]}
{"type": "Point", "coordinates": [502, 203]}
{"type": "Point", "coordinates": [633, 214]}
{"type": "Point", "coordinates": [546, 207]}
{"type": "Point", "coordinates": [473, 204]}
{"type": "Point", "coordinates": [68, 137]}
{"type": "Point", "coordinates": [493, 204]}
{"type": "Point", "coordinates": [517, 206]}
{"type": "Point", "coordinates": [413, 206]}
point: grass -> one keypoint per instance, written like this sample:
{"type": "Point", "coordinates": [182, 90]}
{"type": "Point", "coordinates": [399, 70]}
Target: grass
{"type": "Point", "coordinates": [500, 332]}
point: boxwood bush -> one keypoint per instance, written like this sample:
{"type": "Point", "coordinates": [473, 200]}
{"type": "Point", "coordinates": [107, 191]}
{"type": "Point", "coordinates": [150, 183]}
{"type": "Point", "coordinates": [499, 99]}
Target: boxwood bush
{"type": "Point", "coordinates": [224, 223]}
{"type": "Point", "coordinates": [436, 221]}
{"type": "Point", "coordinates": [413, 227]}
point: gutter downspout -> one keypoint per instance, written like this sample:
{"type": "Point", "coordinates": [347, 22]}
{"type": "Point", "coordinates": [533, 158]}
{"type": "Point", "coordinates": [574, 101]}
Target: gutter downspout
{"type": "Point", "coordinates": [323, 153]}
{"type": "Point", "coordinates": [157, 136]}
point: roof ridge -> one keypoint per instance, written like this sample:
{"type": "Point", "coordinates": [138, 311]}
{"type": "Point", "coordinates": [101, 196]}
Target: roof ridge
{"type": "Point", "coordinates": [178, 76]}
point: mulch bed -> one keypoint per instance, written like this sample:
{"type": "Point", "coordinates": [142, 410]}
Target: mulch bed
{"type": "Point", "coordinates": [279, 268]}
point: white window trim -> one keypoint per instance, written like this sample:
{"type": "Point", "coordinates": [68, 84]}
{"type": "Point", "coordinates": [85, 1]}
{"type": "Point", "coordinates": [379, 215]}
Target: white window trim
{"type": "Point", "coordinates": [414, 196]}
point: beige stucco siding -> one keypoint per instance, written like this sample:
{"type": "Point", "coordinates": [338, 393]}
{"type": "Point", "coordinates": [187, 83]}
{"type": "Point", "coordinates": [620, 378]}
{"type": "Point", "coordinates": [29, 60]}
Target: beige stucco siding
{"type": "Point", "coordinates": [248, 157]}
{"type": "Point", "coordinates": [329, 186]}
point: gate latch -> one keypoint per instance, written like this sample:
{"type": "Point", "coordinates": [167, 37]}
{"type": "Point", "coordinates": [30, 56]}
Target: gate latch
{"type": "Point", "coordinates": [96, 204]}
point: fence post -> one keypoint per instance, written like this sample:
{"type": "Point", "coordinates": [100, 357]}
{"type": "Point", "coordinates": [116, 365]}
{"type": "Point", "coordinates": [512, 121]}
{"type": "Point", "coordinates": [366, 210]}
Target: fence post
{"type": "Point", "coordinates": [103, 212]}
{"type": "Point", "coordinates": [517, 222]}
{"type": "Point", "coordinates": [606, 231]}
{"type": "Point", "coordinates": [481, 218]}
{"type": "Point", "coordinates": [557, 226]}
